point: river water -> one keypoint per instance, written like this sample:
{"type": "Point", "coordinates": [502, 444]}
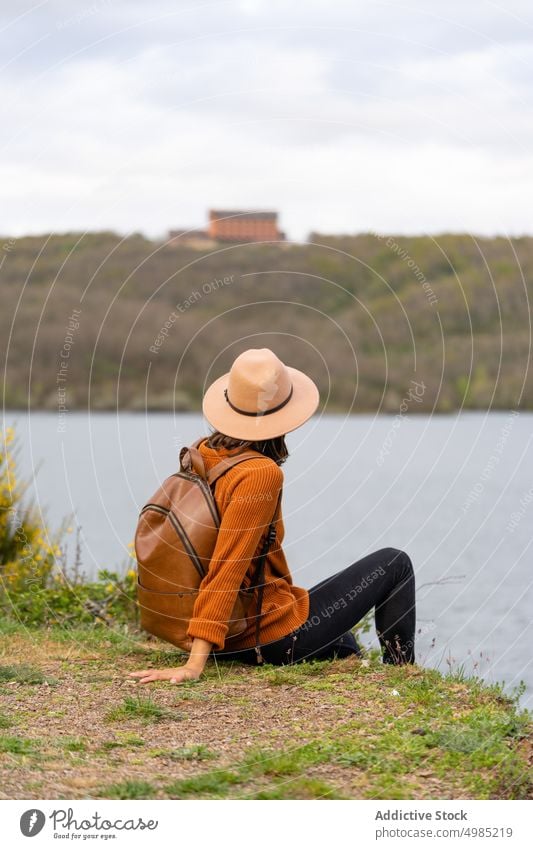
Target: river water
{"type": "Point", "coordinates": [454, 491]}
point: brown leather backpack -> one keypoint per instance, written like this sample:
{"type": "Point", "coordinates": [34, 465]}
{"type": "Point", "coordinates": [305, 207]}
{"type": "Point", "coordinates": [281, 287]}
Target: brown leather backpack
{"type": "Point", "coordinates": [174, 541]}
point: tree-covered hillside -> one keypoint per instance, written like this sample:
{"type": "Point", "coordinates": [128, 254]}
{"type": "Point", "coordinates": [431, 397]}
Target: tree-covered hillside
{"type": "Point", "coordinates": [99, 320]}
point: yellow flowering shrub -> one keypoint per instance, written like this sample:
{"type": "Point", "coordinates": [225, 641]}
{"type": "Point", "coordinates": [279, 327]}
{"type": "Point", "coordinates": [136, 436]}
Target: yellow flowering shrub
{"type": "Point", "coordinates": [27, 553]}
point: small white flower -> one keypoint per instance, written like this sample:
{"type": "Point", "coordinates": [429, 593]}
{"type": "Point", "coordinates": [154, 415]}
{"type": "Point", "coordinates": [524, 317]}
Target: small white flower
{"type": "Point", "coordinates": [395, 693]}
{"type": "Point", "coordinates": [365, 663]}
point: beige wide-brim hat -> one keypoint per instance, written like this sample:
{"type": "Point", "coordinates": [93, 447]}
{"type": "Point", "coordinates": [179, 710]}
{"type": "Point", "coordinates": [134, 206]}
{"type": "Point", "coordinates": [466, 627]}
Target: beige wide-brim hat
{"type": "Point", "coordinates": [260, 397]}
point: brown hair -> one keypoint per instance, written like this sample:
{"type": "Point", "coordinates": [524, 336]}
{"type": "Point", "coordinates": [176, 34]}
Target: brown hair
{"type": "Point", "coordinates": [275, 448]}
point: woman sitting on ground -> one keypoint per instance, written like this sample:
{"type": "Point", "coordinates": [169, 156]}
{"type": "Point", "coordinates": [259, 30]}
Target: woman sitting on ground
{"type": "Point", "coordinates": [253, 406]}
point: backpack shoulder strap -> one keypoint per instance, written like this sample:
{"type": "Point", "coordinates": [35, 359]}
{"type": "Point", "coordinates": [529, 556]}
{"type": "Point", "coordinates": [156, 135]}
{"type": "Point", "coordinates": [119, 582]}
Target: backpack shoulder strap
{"type": "Point", "coordinates": [192, 460]}
{"type": "Point", "coordinates": [229, 462]}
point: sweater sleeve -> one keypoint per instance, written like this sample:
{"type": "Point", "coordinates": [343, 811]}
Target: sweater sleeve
{"type": "Point", "coordinates": [249, 508]}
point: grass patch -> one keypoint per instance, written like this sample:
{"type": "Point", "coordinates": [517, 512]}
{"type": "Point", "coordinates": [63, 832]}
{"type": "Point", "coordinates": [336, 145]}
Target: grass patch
{"type": "Point", "coordinates": [191, 753]}
{"type": "Point", "coordinates": [128, 739]}
{"type": "Point", "coordinates": [293, 761]}
{"type": "Point", "coordinates": [281, 676]}
{"type": "Point", "coordinates": [388, 787]}
{"type": "Point", "coordinates": [74, 744]}
{"type": "Point", "coordinates": [128, 790]}
{"type": "Point", "coordinates": [125, 741]}
{"type": "Point", "coordinates": [213, 784]}
{"type": "Point", "coordinates": [192, 695]}
{"type": "Point", "coordinates": [10, 627]}
{"type": "Point", "coordinates": [482, 733]}
{"type": "Point", "coordinates": [138, 707]}
{"type": "Point", "coordinates": [302, 788]}
{"type": "Point", "coordinates": [17, 746]}
{"type": "Point", "coordinates": [6, 721]}
{"type": "Point", "coordinates": [24, 674]}
{"type": "Point", "coordinates": [108, 642]}
{"type": "Point", "coordinates": [257, 764]}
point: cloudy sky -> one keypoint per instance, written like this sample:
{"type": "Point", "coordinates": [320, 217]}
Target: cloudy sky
{"type": "Point", "coordinates": [345, 115]}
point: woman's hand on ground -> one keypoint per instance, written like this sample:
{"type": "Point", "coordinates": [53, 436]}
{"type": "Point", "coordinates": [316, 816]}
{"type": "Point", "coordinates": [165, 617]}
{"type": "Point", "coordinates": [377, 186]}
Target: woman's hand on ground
{"type": "Point", "coordinates": [174, 676]}
{"type": "Point", "coordinates": [190, 671]}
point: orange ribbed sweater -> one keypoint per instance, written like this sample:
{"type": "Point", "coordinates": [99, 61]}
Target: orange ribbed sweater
{"type": "Point", "coordinates": [246, 496]}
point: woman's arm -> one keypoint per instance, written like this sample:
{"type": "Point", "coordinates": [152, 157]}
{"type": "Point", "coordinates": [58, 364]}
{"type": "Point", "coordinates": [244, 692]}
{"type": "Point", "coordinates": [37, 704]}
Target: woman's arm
{"type": "Point", "coordinates": [188, 672]}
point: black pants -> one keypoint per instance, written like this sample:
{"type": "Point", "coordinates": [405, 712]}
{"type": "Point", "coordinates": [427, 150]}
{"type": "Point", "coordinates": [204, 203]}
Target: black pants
{"type": "Point", "coordinates": [383, 580]}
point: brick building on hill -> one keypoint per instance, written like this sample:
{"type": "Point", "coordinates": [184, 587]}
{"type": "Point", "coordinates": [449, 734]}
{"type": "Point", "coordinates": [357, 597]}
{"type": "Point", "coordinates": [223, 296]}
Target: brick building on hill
{"type": "Point", "coordinates": [226, 225]}
{"type": "Point", "coordinates": [230, 226]}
